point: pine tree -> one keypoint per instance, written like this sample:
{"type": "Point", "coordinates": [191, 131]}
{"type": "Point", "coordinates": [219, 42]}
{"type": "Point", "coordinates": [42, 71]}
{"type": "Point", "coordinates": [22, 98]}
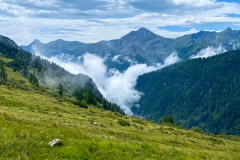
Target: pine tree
{"type": "Point", "coordinates": [80, 95]}
{"type": "Point", "coordinates": [25, 71]}
{"type": "Point", "coordinates": [60, 89]}
{"type": "Point", "coordinates": [90, 99]}
{"type": "Point", "coordinates": [33, 79]}
{"type": "Point", "coordinates": [104, 104]}
{"type": "Point", "coordinates": [3, 74]}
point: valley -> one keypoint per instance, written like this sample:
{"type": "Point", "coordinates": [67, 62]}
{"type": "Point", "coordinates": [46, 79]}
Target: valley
{"type": "Point", "coordinates": [33, 111]}
{"type": "Point", "coordinates": [120, 80]}
{"type": "Point", "coordinates": [144, 95]}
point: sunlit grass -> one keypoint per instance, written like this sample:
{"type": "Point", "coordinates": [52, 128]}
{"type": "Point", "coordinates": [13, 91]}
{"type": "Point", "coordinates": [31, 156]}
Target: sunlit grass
{"type": "Point", "coordinates": [29, 121]}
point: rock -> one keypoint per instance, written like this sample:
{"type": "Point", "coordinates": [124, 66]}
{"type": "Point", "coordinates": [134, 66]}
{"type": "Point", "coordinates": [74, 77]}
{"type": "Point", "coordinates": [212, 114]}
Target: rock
{"type": "Point", "coordinates": [95, 123]}
{"type": "Point", "coordinates": [55, 142]}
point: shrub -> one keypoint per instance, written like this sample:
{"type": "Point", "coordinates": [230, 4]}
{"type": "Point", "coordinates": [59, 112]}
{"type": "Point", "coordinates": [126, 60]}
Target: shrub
{"type": "Point", "coordinates": [197, 129]}
{"type": "Point", "coordinates": [81, 104]}
{"type": "Point", "coordinates": [167, 120]}
{"type": "Point", "coordinates": [123, 122]}
{"type": "Point", "coordinates": [139, 121]}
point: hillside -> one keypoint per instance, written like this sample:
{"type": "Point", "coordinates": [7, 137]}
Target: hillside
{"type": "Point", "coordinates": [141, 46]}
{"type": "Point", "coordinates": [200, 92]}
{"type": "Point", "coordinates": [8, 41]}
{"type": "Point", "coordinates": [47, 78]}
{"type": "Point", "coordinates": [30, 120]}
{"type": "Point", "coordinates": [48, 73]}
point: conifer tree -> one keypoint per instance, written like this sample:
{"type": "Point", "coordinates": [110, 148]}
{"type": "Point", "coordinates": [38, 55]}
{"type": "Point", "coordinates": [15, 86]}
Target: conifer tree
{"type": "Point", "coordinates": [3, 74]}
{"type": "Point", "coordinates": [25, 71]}
{"type": "Point", "coordinates": [90, 97]}
{"type": "Point", "coordinates": [33, 79]}
{"type": "Point", "coordinates": [80, 95]}
{"type": "Point", "coordinates": [104, 104]}
{"type": "Point", "coordinates": [60, 89]}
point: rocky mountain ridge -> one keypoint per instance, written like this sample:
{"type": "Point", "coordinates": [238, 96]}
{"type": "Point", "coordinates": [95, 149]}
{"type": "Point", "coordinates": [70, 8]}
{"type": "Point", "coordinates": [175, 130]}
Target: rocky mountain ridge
{"type": "Point", "coordinates": [141, 46]}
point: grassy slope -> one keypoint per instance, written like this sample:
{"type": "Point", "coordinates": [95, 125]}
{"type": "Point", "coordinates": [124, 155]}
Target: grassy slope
{"type": "Point", "coordinates": [29, 121]}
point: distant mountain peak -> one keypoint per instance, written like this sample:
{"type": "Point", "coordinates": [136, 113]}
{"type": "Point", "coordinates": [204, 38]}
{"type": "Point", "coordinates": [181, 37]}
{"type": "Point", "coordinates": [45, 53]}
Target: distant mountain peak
{"type": "Point", "coordinates": [60, 40]}
{"type": "Point", "coordinates": [36, 42]}
{"type": "Point", "coordinates": [144, 31]}
{"type": "Point", "coordinates": [141, 35]}
{"type": "Point", "coordinates": [228, 29]}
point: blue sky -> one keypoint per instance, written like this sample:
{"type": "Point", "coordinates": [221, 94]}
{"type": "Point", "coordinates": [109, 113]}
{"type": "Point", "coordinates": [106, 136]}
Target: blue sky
{"type": "Point", "coordinates": [94, 20]}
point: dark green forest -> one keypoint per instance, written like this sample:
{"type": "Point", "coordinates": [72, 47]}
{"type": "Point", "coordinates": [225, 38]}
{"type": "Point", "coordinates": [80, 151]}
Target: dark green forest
{"type": "Point", "coordinates": [201, 93]}
{"type": "Point", "coordinates": [45, 75]}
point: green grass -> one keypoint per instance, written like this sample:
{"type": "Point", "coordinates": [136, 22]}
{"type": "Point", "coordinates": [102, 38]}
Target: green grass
{"type": "Point", "coordinates": [30, 118]}
{"type": "Point", "coordinates": [29, 121]}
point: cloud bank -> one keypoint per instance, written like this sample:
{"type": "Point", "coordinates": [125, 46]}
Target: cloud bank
{"type": "Point", "coordinates": [116, 86]}
{"type": "Point", "coordinates": [209, 51]}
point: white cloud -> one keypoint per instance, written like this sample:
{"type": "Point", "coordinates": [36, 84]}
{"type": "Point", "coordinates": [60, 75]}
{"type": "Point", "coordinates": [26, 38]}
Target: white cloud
{"type": "Point", "coordinates": [209, 51]}
{"type": "Point", "coordinates": [115, 58]}
{"type": "Point", "coordinates": [116, 86]}
{"type": "Point", "coordinates": [172, 34]}
{"type": "Point", "coordinates": [195, 2]}
{"type": "Point", "coordinates": [173, 58]}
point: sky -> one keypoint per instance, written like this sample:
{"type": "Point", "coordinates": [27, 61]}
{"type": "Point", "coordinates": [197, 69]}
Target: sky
{"type": "Point", "coordinates": [91, 21]}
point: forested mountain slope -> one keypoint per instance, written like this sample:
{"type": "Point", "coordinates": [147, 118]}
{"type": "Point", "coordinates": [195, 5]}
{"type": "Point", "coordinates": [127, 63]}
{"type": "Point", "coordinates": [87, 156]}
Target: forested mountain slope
{"type": "Point", "coordinates": [8, 41]}
{"type": "Point", "coordinates": [44, 75]}
{"type": "Point", "coordinates": [200, 92]}
{"type": "Point", "coordinates": [48, 73]}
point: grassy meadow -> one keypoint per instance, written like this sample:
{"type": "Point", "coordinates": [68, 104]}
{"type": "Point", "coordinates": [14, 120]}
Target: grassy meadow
{"type": "Point", "coordinates": [29, 120]}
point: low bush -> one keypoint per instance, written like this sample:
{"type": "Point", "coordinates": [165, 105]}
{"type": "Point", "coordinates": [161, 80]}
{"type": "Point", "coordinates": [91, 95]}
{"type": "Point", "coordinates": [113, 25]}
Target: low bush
{"type": "Point", "coordinates": [123, 122]}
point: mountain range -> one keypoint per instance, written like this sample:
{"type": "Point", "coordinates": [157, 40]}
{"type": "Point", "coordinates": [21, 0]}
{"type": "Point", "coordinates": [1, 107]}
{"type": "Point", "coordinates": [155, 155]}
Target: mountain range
{"type": "Point", "coordinates": [141, 46]}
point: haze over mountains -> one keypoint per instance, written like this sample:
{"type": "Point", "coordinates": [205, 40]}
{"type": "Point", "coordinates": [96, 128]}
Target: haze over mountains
{"type": "Point", "coordinates": [115, 65]}
{"type": "Point", "coordinates": [48, 73]}
{"type": "Point", "coordinates": [141, 46]}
